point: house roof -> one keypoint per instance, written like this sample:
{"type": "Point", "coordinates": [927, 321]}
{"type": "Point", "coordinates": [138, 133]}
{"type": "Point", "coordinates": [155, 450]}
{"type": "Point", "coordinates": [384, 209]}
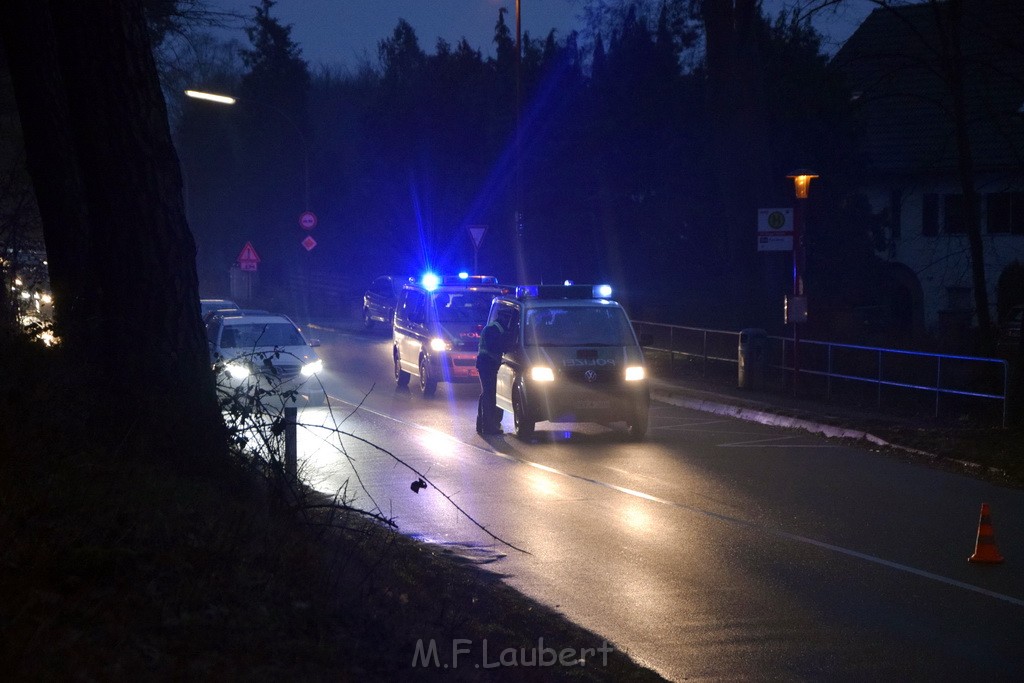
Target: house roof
{"type": "Point", "coordinates": [899, 74]}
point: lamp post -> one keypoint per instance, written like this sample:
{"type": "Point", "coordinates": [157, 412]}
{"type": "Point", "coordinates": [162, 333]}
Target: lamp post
{"type": "Point", "coordinates": [229, 100]}
{"type": "Point", "coordinates": [796, 306]}
{"type": "Point", "coordinates": [519, 227]}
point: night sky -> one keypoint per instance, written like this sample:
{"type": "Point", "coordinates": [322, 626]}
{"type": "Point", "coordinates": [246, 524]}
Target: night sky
{"type": "Point", "coordinates": [345, 32]}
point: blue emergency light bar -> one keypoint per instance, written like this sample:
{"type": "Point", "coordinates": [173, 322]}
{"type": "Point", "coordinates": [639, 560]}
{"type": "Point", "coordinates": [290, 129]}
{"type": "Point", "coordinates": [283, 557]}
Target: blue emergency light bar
{"type": "Point", "coordinates": [467, 279]}
{"type": "Point", "coordinates": [566, 291]}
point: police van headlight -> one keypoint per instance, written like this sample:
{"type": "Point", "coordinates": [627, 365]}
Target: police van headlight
{"type": "Point", "coordinates": [539, 373]}
{"type": "Point", "coordinates": [635, 373]}
{"type": "Point", "coordinates": [310, 369]}
{"type": "Point", "coordinates": [438, 344]}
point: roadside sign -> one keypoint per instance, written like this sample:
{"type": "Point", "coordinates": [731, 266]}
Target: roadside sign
{"type": "Point", "coordinates": [775, 229]}
{"type": "Point", "coordinates": [307, 220]}
{"type": "Point", "coordinates": [309, 243]}
{"type": "Point", "coordinates": [476, 233]}
{"type": "Point", "coordinates": [248, 259]}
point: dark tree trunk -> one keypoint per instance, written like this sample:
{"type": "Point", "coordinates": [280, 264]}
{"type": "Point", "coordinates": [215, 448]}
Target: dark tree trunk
{"type": "Point", "coordinates": [108, 185]}
{"type": "Point", "coordinates": [740, 157]}
{"type": "Point", "coordinates": [950, 19]}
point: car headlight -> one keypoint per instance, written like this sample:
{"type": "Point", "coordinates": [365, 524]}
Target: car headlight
{"type": "Point", "coordinates": [635, 373]}
{"type": "Point", "coordinates": [438, 344]}
{"type": "Point", "coordinates": [540, 373]}
{"type": "Point", "coordinates": [310, 369]}
{"type": "Point", "coordinates": [238, 370]}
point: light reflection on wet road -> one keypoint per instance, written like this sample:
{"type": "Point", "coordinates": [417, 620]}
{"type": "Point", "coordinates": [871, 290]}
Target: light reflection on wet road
{"type": "Point", "coordinates": [718, 549]}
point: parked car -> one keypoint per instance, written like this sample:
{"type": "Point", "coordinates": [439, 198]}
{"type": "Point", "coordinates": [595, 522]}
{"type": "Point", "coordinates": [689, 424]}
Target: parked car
{"type": "Point", "coordinates": [233, 311]}
{"type": "Point", "coordinates": [265, 351]}
{"type": "Point", "coordinates": [208, 305]}
{"type": "Point", "coordinates": [380, 299]}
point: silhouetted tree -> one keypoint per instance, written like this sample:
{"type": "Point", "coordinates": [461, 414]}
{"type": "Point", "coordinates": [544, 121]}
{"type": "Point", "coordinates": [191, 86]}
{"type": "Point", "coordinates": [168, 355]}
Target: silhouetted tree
{"type": "Point", "coordinates": [108, 185]}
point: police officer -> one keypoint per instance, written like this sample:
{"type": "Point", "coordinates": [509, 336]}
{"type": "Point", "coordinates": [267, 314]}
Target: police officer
{"type": "Point", "coordinates": [488, 360]}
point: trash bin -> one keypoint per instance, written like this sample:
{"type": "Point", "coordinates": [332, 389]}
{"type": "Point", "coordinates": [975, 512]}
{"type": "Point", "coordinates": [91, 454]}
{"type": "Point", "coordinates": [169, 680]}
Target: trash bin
{"type": "Point", "coordinates": [753, 359]}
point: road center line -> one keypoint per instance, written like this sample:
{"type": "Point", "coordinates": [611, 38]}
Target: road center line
{"type": "Point", "coordinates": [735, 521]}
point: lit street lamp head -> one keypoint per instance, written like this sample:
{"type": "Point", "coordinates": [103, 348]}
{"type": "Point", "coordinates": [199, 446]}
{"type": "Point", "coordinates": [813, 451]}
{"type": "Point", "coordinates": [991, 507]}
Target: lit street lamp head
{"type": "Point", "coordinates": [802, 181]}
{"type": "Point", "coordinates": [212, 97]}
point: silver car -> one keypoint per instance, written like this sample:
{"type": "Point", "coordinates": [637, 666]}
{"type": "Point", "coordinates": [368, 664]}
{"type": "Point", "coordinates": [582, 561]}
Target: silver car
{"type": "Point", "coordinates": [260, 355]}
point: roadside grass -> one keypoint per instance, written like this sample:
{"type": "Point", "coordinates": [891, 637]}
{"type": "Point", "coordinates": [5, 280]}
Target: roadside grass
{"type": "Point", "coordinates": [116, 565]}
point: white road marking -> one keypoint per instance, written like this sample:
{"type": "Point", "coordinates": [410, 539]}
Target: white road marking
{"type": "Point", "coordinates": [734, 521]}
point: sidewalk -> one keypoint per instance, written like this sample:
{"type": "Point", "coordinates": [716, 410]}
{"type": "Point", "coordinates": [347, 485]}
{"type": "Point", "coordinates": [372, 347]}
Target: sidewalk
{"type": "Point", "coordinates": [990, 453]}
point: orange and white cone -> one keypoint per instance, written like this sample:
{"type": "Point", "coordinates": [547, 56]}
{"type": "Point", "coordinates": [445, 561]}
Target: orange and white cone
{"type": "Point", "coordinates": [985, 550]}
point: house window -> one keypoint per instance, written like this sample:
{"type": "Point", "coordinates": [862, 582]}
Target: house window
{"type": "Point", "coordinates": [930, 215]}
{"type": "Point", "coordinates": [1005, 212]}
{"type": "Point", "coordinates": [953, 214]}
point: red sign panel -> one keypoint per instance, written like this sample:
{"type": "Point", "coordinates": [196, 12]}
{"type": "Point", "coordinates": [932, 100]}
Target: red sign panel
{"type": "Point", "coordinates": [248, 259]}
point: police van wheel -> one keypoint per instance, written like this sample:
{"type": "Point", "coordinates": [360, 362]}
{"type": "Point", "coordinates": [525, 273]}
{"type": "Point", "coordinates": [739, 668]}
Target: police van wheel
{"type": "Point", "coordinates": [524, 426]}
{"type": "Point", "coordinates": [401, 376]}
{"type": "Point", "coordinates": [638, 423]}
{"type": "Point", "coordinates": [427, 383]}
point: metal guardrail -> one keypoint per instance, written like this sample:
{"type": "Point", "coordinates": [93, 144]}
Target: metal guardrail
{"type": "Point", "coordinates": [825, 367]}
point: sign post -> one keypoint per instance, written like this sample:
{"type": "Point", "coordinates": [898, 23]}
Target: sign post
{"type": "Point", "coordinates": [476, 233]}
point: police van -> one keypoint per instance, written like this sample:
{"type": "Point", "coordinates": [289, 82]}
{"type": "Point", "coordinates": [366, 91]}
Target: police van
{"type": "Point", "coordinates": [437, 328]}
{"type": "Point", "coordinates": [571, 356]}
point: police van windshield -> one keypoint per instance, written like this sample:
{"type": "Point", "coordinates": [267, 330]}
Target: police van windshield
{"type": "Point", "coordinates": [577, 326]}
{"type": "Point", "coordinates": [462, 307]}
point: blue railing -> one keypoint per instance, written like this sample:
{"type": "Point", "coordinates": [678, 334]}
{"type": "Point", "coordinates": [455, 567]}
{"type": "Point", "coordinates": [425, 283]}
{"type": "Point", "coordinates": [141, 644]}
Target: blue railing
{"type": "Point", "coordinates": [824, 365]}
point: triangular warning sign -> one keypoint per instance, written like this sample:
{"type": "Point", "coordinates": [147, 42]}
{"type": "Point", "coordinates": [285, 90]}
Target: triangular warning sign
{"type": "Point", "coordinates": [477, 233]}
{"type": "Point", "coordinates": [248, 254]}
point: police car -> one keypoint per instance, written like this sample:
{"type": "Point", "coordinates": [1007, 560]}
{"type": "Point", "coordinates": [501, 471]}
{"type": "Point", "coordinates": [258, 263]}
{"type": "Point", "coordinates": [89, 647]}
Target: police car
{"type": "Point", "coordinates": [437, 328]}
{"type": "Point", "coordinates": [571, 356]}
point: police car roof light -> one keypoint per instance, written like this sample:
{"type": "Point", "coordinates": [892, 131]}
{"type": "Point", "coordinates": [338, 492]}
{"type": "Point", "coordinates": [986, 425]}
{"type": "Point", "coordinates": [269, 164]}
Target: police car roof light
{"type": "Point", "coordinates": [466, 278]}
{"type": "Point", "coordinates": [558, 292]}
{"type": "Point", "coordinates": [602, 291]}
{"type": "Point", "coordinates": [430, 282]}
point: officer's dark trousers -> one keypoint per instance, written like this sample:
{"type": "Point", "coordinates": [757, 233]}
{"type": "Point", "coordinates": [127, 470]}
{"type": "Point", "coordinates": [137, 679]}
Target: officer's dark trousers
{"type": "Point", "coordinates": [489, 412]}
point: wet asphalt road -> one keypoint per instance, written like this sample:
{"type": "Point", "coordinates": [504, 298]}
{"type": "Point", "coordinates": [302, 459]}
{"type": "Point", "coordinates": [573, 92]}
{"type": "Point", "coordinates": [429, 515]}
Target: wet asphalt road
{"type": "Point", "coordinates": [717, 549]}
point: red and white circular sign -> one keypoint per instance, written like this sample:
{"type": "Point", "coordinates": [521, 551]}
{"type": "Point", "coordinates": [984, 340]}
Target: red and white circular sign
{"type": "Point", "coordinates": [307, 220]}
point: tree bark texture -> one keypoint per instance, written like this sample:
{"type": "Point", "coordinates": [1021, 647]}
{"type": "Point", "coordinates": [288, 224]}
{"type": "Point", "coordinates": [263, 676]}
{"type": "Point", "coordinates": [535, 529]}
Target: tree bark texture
{"type": "Point", "coordinates": [108, 185]}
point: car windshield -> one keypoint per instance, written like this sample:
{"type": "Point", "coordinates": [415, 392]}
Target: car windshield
{"type": "Point", "coordinates": [462, 307]}
{"type": "Point", "coordinates": [577, 326]}
{"type": "Point", "coordinates": [253, 335]}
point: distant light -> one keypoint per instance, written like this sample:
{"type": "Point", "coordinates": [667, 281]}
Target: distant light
{"type": "Point", "coordinates": [568, 283]}
{"type": "Point", "coordinates": [463, 275]}
{"type": "Point", "coordinates": [430, 282]}
{"type": "Point", "coordinates": [603, 291]}
{"type": "Point", "coordinates": [212, 97]}
{"type": "Point", "coordinates": [26, 295]}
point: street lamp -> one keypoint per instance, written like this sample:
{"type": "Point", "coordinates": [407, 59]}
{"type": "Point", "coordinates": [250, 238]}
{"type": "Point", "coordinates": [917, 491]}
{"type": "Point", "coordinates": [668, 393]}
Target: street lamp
{"type": "Point", "coordinates": [229, 100]}
{"type": "Point", "coordinates": [520, 227]}
{"type": "Point", "coordinates": [796, 306]}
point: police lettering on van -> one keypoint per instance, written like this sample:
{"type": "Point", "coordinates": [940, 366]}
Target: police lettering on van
{"type": "Point", "coordinates": [572, 357]}
{"type": "Point", "coordinates": [437, 328]}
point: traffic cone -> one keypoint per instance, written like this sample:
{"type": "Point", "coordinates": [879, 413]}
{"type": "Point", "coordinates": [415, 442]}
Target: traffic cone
{"type": "Point", "coordinates": [985, 550]}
